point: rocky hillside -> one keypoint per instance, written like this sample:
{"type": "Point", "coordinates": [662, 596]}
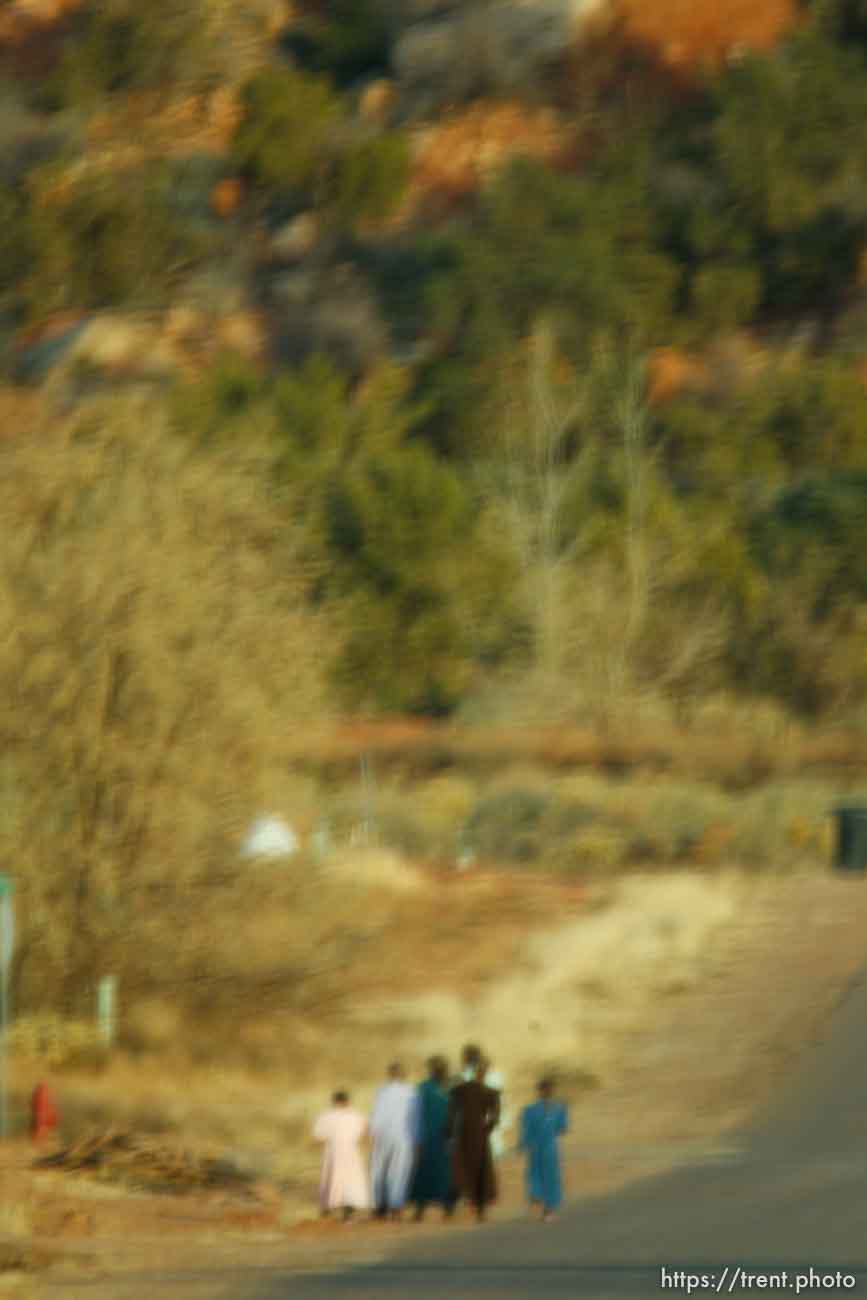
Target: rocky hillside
{"type": "Point", "coordinates": [414, 240]}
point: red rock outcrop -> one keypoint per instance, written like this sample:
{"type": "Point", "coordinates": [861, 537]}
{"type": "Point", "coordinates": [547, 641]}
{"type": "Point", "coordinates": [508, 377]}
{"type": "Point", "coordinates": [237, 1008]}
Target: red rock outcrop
{"type": "Point", "coordinates": [455, 157]}
{"type": "Point", "coordinates": [687, 34]}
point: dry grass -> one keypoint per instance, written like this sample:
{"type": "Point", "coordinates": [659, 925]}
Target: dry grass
{"type": "Point", "coordinates": [16, 1217]}
{"type": "Point", "coordinates": [571, 993]}
{"type": "Point", "coordinates": [375, 868]}
{"type": "Point", "coordinates": [51, 1039]}
{"type": "Point", "coordinates": [17, 1212]}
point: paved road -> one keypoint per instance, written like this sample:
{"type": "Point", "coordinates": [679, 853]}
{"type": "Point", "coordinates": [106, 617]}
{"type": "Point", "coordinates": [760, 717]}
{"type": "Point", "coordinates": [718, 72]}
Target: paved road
{"type": "Point", "coordinates": [791, 1199]}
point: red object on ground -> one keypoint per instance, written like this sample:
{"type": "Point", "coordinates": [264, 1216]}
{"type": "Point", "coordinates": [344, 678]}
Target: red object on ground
{"type": "Point", "coordinates": [43, 1113]}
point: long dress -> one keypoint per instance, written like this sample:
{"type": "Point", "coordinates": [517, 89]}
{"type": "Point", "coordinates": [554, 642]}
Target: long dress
{"type": "Point", "coordinates": [394, 1128]}
{"type": "Point", "coordinates": [495, 1079]}
{"type": "Point", "coordinates": [473, 1114]}
{"type": "Point", "coordinates": [541, 1125]}
{"type": "Point", "coordinates": [343, 1184]}
{"type": "Point", "coordinates": [433, 1175]}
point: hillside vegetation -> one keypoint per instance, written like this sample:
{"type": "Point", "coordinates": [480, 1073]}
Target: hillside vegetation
{"type": "Point", "coordinates": [493, 363]}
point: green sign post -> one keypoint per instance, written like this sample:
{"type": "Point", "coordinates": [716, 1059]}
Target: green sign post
{"type": "Point", "coordinates": [7, 946]}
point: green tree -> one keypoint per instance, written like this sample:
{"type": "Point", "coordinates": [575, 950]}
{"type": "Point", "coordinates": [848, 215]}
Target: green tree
{"type": "Point", "coordinates": [808, 648]}
{"type": "Point", "coordinates": [819, 526]}
{"type": "Point", "coordinates": [15, 241]}
{"type": "Point", "coordinates": [288, 129]}
{"type": "Point", "coordinates": [227, 401]}
{"type": "Point", "coordinates": [761, 188]}
{"type": "Point", "coordinates": [290, 141]}
{"type": "Point", "coordinates": [426, 588]}
{"type": "Point", "coordinates": [725, 295]}
{"type": "Point", "coordinates": [324, 430]}
{"type": "Point", "coordinates": [787, 135]}
{"type": "Point", "coordinates": [801, 647]}
{"type": "Point", "coordinates": [580, 251]}
{"type": "Point", "coordinates": [118, 46]}
{"type": "Point", "coordinates": [791, 423]}
{"type": "Point", "coordinates": [844, 21]}
{"type": "Point", "coordinates": [350, 41]}
{"type": "Point", "coordinates": [369, 180]}
{"type": "Point", "coordinates": [107, 239]}
{"type": "Point", "coordinates": [318, 426]}
{"type": "Point", "coordinates": [781, 466]}
{"type": "Point", "coordinates": [412, 561]}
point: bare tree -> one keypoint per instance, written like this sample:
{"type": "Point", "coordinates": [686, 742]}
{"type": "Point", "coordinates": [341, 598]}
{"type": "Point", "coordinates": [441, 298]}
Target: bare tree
{"type": "Point", "coordinates": [538, 472]}
{"type": "Point", "coordinates": [601, 590]}
{"type": "Point", "coordinates": [630, 421]}
{"type": "Point", "coordinates": [157, 643]}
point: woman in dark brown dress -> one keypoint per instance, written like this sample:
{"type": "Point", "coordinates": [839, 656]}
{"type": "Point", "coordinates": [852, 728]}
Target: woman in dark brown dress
{"type": "Point", "coordinates": [473, 1113]}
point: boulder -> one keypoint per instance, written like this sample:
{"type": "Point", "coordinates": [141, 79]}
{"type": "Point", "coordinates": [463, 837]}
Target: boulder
{"type": "Point", "coordinates": [243, 332]}
{"type": "Point", "coordinates": [422, 58]}
{"type": "Point", "coordinates": [404, 13]}
{"type": "Point", "coordinates": [334, 311]}
{"type": "Point", "coordinates": [112, 341]}
{"type": "Point", "coordinates": [297, 239]}
{"type": "Point", "coordinates": [467, 149]}
{"type": "Point", "coordinates": [278, 17]}
{"type": "Point", "coordinates": [295, 289]}
{"type": "Point", "coordinates": [672, 372]}
{"type": "Point", "coordinates": [378, 101]}
{"type": "Point", "coordinates": [270, 837]}
{"type": "Point", "coordinates": [42, 351]}
{"type": "Point", "coordinates": [41, 13]}
{"type": "Point", "coordinates": [184, 323]}
{"type": "Point", "coordinates": [490, 48]}
{"type": "Point", "coordinates": [109, 341]}
{"type": "Point", "coordinates": [226, 197]}
{"type": "Point", "coordinates": [224, 112]}
{"type": "Point", "coordinates": [221, 286]}
{"type": "Point", "coordinates": [696, 36]}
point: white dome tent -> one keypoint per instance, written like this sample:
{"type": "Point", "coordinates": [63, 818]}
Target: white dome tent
{"type": "Point", "coordinates": [270, 837]}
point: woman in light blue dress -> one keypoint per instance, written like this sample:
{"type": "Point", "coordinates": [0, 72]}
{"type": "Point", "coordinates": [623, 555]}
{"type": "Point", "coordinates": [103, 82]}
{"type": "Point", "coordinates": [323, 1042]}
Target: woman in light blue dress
{"type": "Point", "coordinates": [542, 1124]}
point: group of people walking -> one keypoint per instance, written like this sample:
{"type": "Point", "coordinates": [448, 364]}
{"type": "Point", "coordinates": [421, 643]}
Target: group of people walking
{"type": "Point", "coordinates": [436, 1143]}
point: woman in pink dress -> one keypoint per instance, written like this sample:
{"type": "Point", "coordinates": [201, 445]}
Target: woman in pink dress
{"type": "Point", "coordinates": [343, 1185]}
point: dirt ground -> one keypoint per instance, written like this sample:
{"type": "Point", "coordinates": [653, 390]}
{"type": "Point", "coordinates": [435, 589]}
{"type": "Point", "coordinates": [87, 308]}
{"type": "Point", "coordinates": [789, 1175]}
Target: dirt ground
{"type": "Point", "coordinates": [707, 1057]}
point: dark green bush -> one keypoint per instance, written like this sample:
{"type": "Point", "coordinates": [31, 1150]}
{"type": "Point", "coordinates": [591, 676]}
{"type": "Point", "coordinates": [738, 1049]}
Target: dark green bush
{"type": "Point", "coordinates": [370, 179]}
{"type": "Point", "coordinates": [426, 589]}
{"type": "Point", "coordinates": [211, 407]}
{"type": "Point", "coordinates": [844, 21]}
{"type": "Point", "coordinates": [108, 240]}
{"type": "Point", "coordinates": [725, 296]}
{"type": "Point", "coordinates": [351, 42]}
{"type": "Point", "coordinates": [819, 525]}
{"type": "Point", "coordinates": [117, 46]}
{"type": "Point", "coordinates": [287, 132]}
{"type": "Point", "coordinates": [507, 826]}
{"type": "Point", "coordinates": [787, 137]}
{"type": "Point", "coordinates": [15, 240]}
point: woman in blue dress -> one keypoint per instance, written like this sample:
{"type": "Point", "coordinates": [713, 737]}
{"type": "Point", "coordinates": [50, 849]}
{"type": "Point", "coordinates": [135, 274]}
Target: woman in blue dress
{"type": "Point", "coordinates": [433, 1176]}
{"type": "Point", "coordinates": [542, 1124]}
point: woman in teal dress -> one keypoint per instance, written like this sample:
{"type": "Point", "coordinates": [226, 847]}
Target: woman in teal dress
{"type": "Point", "coordinates": [542, 1124]}
{"type": "Point", "coordinates": [433, 1176]}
